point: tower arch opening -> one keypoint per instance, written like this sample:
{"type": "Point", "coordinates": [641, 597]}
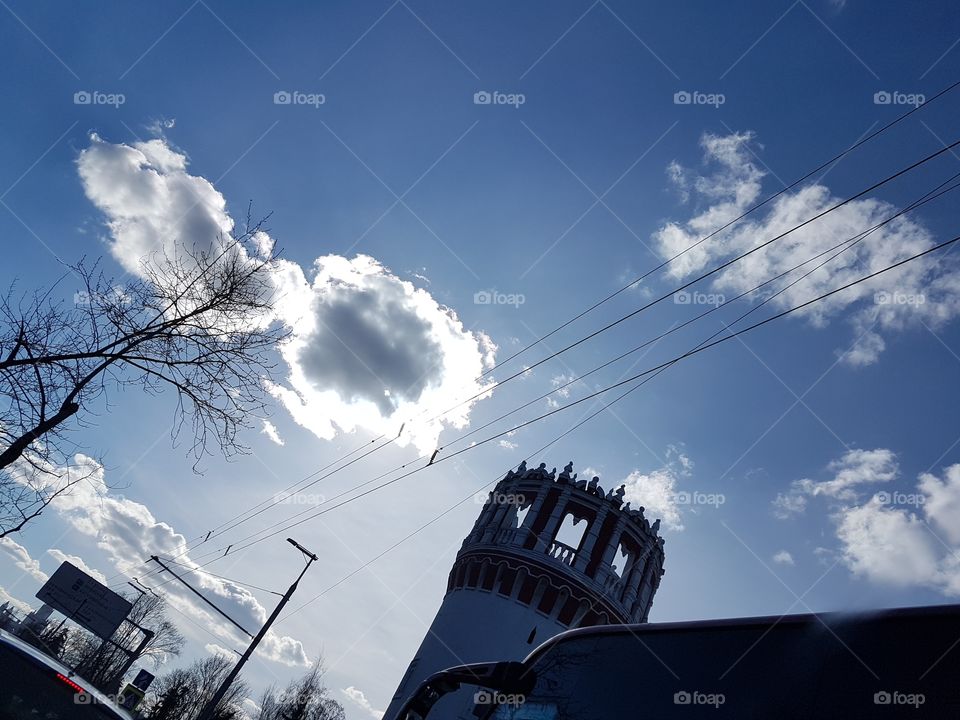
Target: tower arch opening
{"type": "Point", "coordinates": [571, 531]}
{"type": "Point", "coordinates": [621, 559]}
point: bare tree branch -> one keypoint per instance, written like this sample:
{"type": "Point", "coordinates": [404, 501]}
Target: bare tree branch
{"type": "Point", "coordinates": [197, 322]}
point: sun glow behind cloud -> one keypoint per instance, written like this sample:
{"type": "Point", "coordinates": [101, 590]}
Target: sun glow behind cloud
{"type": "Point", "coordinates": [366, 350]}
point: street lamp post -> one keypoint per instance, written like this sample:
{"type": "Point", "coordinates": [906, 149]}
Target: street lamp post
{"type": "Point", "coordinates": [211, 706]}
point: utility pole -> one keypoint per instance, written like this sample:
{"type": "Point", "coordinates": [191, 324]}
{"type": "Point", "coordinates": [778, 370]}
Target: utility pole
{"type": "Point", "coordinates": [211, 706]}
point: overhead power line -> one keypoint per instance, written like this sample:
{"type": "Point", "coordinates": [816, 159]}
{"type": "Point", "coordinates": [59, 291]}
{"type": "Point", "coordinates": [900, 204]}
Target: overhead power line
{"type": "Point", "coordinates": [723, 266]}
{"type": "Point", "coordinates": [709, 273]}
{"type": "Point", "coordinates": [621, 383]}
{"type": "Point", "coordinates": [660, 299]}
{"type": "Point", "coordinates": [264, 505]}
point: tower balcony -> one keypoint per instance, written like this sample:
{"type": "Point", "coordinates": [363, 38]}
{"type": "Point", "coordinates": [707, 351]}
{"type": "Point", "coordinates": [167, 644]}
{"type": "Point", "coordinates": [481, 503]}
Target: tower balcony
{"type": "Point", "coordinates": [615, 565]}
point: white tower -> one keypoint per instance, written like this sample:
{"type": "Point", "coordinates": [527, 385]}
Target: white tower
{"type": "Point", "coordinates": [514, 584]}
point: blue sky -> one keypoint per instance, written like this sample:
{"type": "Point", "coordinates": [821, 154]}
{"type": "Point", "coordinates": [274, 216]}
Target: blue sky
{"type": "Point", "coordinates": [596, 177]}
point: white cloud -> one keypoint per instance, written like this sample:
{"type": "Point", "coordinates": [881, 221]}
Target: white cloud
{"type": "Point", "coordinates": [657, 491]}
{"type": "Point", "coordinates": [561, 380]}
{"type": "Point", "coordinates": [783, 558]}
{"type": "Point", "coordinates": [22, 559]}
{"type": "Point", "coordinates": [356, 695]}
{"type": "Point", "coordinates": [158, 126]}
{"type": "Point", "coordinates": [282, 648]}
{"type": "Point", "coordinates": [942, 505]}
{"type": "Point", "coordinates": [825, 556]}
{"type": "Point", "coordinates": [851, 472]}
{"type": "Point", "coordinates": [884, 539]}
{"type": "Point", "coordinates": [77, 561]}
{"type": "Point", "coordinates": [856, 468]}
{"type": "Point", "coordinates": [865, 350]}
{"type": "Point", "coordinates": [17, 603]}
{"type": "Point", "coordinates": [250, 708]}
{"type": "Point", "coordinates": [127, 532]}
{"type": "Point", "coordinates": [788, 504]}
{"type": "Point", "coordinates": [677, 456]}
{"type": "Point", "coordinates": [215, 649]}
{"type": "Point", "coordinates": [419, 275]}
{"type": "Point", "coordinates": [367, 349]}
{"type": "Point", "coordinates": [922, 291]}
{"type": "Point", "coordinates": [371, 350]}
{"type": "Point", "coordinates": [270, 430]}
{"type": "Point", "coordinates": [561, 385]}
{"type": "Point", "coordinates": [888, 545]}
{"type": "Point", "coordinates": [507, 444]}
{"type": "Point", "coordinates": [150, 201]}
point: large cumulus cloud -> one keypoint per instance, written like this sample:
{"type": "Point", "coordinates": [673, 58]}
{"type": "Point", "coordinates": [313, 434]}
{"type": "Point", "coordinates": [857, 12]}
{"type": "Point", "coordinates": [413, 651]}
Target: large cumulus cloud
{"type": "Point", "coordinates": [371, 350]}
{"type": "Point", "coordinates": [367, 349]}
{"type": "Point", "coordinates": [897, 536]}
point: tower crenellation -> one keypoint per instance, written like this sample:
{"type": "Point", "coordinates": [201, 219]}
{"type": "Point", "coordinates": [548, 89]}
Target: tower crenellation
{"type": "Point", "coordinates": [519, 525]}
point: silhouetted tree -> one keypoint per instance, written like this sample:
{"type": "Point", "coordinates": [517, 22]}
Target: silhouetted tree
{"type": "Point", "coordinates": [304, 699]}
{"type": "Point", "coordinates": [182, 694]}
{"type": "Point", "coordinates": [197, 321]}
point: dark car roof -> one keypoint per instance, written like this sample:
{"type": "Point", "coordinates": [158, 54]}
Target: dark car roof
{"type": "Point", "coordinates": [706, 626]}
{"type": "Point", "coordinates": [40, 658]}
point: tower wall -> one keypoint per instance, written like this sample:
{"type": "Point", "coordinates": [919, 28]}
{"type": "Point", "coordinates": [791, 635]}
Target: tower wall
{"type": "Point", "coordinates": [514, 584]}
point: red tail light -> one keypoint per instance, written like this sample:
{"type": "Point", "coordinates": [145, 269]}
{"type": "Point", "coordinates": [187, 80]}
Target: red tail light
{"type": "Point", "coordinates": [70, 683]}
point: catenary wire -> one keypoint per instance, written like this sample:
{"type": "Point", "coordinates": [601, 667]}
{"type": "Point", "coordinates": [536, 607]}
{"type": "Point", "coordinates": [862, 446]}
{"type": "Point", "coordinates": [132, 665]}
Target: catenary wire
{"type": "Point", "coordinates": [730, 262]}
{"type": "Point", "coordinates": [256, 508]}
